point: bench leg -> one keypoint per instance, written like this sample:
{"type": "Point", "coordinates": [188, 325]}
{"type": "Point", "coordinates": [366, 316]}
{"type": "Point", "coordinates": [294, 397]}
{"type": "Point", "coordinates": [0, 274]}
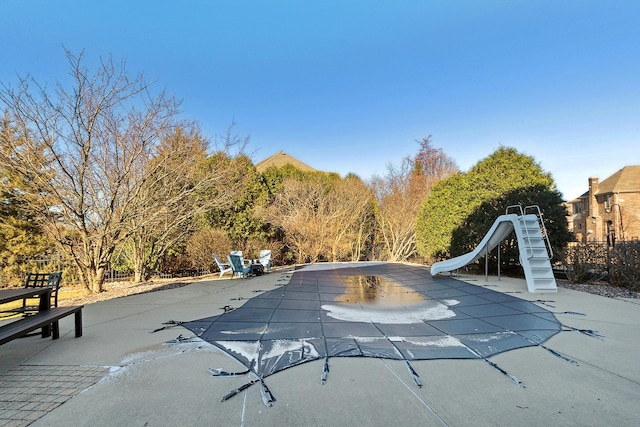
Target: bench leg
{"type": "Point", "coordinates": [45, 303]}
{"type": "Point", "coordinates": [55, 329]}
{"type": "Point", "coordinates": [46, 331]}
{"type": "Point", "coordinates": [78, 318]}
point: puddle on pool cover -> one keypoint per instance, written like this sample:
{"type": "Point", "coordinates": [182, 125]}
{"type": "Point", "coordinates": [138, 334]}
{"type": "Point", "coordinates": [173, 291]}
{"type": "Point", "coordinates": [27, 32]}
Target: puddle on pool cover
{"type": "Point", "coordinates": [378, 291]}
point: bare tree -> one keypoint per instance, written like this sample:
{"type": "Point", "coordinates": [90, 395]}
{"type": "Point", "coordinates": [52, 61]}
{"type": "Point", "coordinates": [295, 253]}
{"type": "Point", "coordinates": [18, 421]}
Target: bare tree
{"type": "Point", "coordinates": [348, 209]}
{"type": "Point", "coordinates": [294, 210]}
{"type": "Point", "coordinates": [184, 184]}
{"type": "Point", "coordinates": [320, 216]}
{"type": "Point", "coordinates": [400, 194]}
{"type": "Point", "coordinates": [432, 164]}
{"type": "Point", "coordinates": [86, 151]}
{"type": "Point", "coordinates": [203, 243]}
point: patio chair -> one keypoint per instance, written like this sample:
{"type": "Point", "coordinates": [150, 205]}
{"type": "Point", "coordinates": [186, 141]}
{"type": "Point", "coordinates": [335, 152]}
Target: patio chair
{"type": "Point", "coordinates": [42, 280]}
{"type": "Point", "coordinates": [37, 280]}
{"type": "Point", "coordinates": [239, 253]}
{"type": "Point", "coordinates": [265, 259]}
{"type": "Point", "coordinates": [237, 266]}
{"type": "Point", "coordinates": [223, 266]}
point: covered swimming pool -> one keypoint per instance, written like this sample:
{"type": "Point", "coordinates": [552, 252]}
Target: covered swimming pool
{"type": "Point", "coordinates": [382, 310]}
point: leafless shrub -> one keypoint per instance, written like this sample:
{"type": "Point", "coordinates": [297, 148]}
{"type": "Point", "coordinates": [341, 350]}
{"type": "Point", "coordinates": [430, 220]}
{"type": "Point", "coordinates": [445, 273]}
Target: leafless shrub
{"type": "Point", "coordinates": [595, 261]}
{"type": "Point", "coordinates": [625, 265]}
{"type": "Point", "coordinates": [585, 262]}
{"type": "Point", "coordinates": [203, 244]}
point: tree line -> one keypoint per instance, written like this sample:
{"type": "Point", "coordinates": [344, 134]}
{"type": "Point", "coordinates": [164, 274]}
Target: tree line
{"type": "Point", "coordinates": [105, 172]}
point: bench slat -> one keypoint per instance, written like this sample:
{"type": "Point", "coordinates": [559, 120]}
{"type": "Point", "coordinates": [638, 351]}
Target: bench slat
{"type": "Point", "coordinates": [42, 319]}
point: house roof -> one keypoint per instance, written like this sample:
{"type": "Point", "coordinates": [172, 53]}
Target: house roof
{"type": "Point", "coordinates": [280, 159]}
{"type": "Point", "coordinates": [626, 179]}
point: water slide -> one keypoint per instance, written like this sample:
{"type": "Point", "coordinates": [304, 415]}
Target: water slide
{"type": "Point", "coordinates": [534, 256]}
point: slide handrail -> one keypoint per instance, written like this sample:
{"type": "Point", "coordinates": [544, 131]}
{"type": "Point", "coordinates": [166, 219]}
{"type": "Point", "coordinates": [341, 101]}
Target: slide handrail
{"type": "Point", "coordinates": [526, 230]}
{"type": "Point", "coordinates": [506, 211]}
{"type": "Point", "coordinates": [543, 228]}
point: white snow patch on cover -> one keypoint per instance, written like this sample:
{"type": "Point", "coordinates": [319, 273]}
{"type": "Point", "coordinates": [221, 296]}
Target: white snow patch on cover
{"type": "Point", "coordinates": [444, 341]}
{"type": "Point", "coordinates": [258, 330]}
{"type": "Point", "coordinates": [281, 347]}
{"type": "Point", "coordinates": [247, 349]}
{"type": "Point", "coordinates": [431, 310]}
{"type": "Point", "coordinates": [489, 337]}
{"type": "Point", "coordinates": [365, 339]}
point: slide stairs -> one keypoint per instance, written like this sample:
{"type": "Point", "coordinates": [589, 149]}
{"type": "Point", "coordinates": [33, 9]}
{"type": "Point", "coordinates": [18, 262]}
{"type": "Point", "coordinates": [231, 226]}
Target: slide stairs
{"type": "Point", "coordinates": [533, 244]}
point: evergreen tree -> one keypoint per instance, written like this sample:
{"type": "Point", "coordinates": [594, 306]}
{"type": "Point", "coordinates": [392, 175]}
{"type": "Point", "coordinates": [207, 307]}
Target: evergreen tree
{"type": "Point", "coordinates": [20, 233]}
{"type": "Point", "coordinates": [464, 204]}
{"type": "Point", "coordinates": [474, 227]}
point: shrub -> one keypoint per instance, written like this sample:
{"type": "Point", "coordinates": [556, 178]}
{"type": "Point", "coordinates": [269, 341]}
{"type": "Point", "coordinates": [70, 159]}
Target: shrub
{"type": "Point", "coordinates": [591, 262]}
{"type": "Point", "coordinates": [625, 265]}
{"type": "Point", "coordinates": [585, 262]}
{"type": "Point", "coordinates": [203, 244]}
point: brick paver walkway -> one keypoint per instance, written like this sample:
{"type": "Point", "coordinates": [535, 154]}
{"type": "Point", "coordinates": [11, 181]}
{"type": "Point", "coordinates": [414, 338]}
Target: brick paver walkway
{"type": "Point", "coordinates": [28, 392]}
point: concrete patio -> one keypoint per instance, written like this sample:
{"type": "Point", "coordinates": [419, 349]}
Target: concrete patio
{"type": "Point", "coordinates": [119, 373]}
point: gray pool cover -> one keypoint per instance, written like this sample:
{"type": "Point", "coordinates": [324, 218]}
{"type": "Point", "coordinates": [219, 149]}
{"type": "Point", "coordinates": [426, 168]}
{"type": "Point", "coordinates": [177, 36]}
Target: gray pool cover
{"type": "Point", "coordinates": [382, 310]}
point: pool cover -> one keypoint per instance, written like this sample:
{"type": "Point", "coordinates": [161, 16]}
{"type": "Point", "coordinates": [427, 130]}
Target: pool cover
{"type": "Point", "coordinates": [382, 310]}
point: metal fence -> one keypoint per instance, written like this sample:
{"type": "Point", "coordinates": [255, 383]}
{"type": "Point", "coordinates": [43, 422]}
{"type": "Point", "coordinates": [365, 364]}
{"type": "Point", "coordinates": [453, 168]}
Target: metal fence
{"type": "Point", "coordinates": [14, 273]}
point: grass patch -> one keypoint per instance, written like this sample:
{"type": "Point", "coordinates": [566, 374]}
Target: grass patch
{"type": "Point", "coordinates": [72, 292]}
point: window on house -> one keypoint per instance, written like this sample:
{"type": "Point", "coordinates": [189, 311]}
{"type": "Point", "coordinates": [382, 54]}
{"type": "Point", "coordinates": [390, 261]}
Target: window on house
{"type": "Point", "coordinates": [607, 201]}
{"type": "Point", "coordinates": [577, 208]}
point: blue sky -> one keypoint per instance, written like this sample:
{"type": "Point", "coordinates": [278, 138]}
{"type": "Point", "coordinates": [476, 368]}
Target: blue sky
{"type": "Point", "coordinates": [350, 86]}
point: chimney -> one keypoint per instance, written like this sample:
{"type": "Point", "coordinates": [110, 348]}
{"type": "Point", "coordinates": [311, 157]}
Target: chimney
{"type": "Point", "coordinates": [593, 203]}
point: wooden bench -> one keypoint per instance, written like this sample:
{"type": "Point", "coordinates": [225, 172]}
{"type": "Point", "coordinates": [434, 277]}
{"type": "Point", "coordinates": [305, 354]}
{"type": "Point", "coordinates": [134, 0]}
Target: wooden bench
{"type": "Point", "coordinates": [46, 319]}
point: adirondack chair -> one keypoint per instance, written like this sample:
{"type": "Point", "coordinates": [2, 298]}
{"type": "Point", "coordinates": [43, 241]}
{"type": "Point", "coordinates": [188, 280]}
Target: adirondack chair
{"type": "Point", "coordinates": [265, 259]}
{"type": "Point", "coordinates": [237, 266]}
{"type": "Point", "coordinates": [223, 266]}
{"type": "Point", "coordinates": [244, 261]}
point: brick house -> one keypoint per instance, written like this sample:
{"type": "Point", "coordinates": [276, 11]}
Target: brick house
{"type": "Point", "coordinates": [610, 210]}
